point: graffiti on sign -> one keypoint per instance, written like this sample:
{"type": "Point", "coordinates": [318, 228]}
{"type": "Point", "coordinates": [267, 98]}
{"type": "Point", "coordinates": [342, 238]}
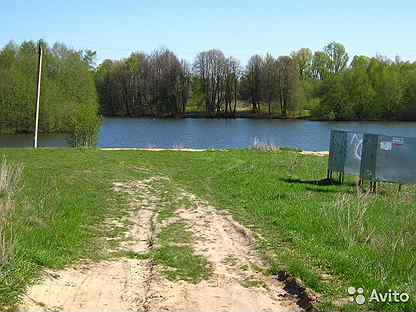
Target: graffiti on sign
{"type": "Point", "coordinates": [357, 145]}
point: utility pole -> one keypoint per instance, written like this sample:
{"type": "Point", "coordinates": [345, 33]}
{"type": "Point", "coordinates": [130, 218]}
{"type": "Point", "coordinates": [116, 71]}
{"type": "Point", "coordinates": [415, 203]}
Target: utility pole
{"type": "Point", "coordinates": [35, 143]}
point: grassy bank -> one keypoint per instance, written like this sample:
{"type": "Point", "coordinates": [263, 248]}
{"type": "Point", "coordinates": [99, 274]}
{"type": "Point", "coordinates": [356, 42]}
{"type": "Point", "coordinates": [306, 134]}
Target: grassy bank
{"type": "Point", "coordinates": [58, 216]}
{"type": "Point", "coordinates": [328, 236]}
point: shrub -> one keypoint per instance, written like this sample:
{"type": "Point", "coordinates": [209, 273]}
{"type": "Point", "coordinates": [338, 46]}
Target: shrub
{"type": "Point", "coordinates": [84, 126]}
{"type": "Point", "coordinates": [10, 177]}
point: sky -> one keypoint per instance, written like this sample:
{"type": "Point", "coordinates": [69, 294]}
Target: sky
{"type": "Point", "coordinates": [239, 28]}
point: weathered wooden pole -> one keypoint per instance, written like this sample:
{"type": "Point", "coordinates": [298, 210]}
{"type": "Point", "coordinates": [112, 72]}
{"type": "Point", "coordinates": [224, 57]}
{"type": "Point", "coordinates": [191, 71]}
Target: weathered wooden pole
{"type": "Point", "coordinates": [35, 143]}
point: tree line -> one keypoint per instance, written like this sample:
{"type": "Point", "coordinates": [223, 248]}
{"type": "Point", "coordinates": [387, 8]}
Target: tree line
{"type": "Point", "coordinates": [160, 84]}
{"type": "Point", "coordinates": [324, 84]}
{"type": "Point", "coordinates": [157, 84]}
{"type": "Point", "coordinates": [69, 101]}
{"type": "Point", "coordinates": [370, 88]}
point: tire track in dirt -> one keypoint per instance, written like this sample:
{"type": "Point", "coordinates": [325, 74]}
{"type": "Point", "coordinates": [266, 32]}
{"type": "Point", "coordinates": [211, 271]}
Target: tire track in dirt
{"type": "Point", "coordinates": [237, 282]}
{"type": "Point", "coordinates": [119, 285]}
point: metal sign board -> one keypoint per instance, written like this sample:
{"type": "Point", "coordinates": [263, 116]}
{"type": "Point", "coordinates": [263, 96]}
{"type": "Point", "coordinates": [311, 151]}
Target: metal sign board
{"type": "Point", "coordinates": [389, 159]}
{"type": "Point", "coordinates": [345, 152]}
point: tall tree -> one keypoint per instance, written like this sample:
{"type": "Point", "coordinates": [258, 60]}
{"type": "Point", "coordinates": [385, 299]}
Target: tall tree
{"type": "Point", "coordinates": [270, 80]}
{"type": "Point", "coordinates": [320, 68]}
{"type": "Point", "coordinates": [337, 57]}
{"type": "Point", "coordinates": [303, 59]}
{"type": "Point", "coordinates": [231, 85]}
{"type": "Point", "coordinates": [209, 67]}
{"type": "Point", "coordinates": [253, 76]}
{"type": "Point", "coordinates": [360, 93]}
{"type": "Point", "coordinates": [288, 83]}
{"type": "Point", "coordinates": [156, 85]}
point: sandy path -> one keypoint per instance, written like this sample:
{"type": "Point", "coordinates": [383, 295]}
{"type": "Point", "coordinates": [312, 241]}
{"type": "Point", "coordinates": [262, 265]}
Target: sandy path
{"type": "Point", "coordinates": [237, 282]}
{"type": "Point", "coordinates": [228, 246]}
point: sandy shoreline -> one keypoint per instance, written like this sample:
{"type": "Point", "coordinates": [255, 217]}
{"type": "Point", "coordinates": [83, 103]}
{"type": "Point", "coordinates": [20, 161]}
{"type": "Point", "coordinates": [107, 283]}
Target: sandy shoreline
{"type": "Point", "coordinates": [310, 153]}
{"type": "Point", "coordinates": [155, 149]}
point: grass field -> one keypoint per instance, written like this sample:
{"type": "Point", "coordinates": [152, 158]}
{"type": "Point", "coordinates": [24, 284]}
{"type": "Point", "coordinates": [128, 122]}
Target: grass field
{"type": "Point", "coordinates": [327, 235]}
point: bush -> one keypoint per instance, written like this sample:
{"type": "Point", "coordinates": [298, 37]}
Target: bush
{"type": "Point", "coordinates": [10, 177]}
{"type": "Point", "coordinates": [84, 126]}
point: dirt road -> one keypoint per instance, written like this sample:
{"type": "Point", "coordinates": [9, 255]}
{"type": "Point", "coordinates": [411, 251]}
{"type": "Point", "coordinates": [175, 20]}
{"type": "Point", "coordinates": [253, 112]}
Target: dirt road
{"type": "Point", "coordinates": [236, 281]}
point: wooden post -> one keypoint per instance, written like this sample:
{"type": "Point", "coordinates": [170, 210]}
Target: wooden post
{"type": "Point", "coordinates": [35, 143]}
{"type": "Point", "coordinates": [359, 185]}
{"type": "Point", "coordinates": [373, 187]}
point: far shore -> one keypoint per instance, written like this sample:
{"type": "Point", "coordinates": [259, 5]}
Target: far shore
{"type": "Point", "coordinates": [251, 115]}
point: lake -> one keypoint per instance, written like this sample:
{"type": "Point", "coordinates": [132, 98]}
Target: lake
{"type": "Point", "coordinates": [217, 133]}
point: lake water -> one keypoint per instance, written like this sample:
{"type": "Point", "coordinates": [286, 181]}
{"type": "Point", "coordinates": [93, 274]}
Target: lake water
{"type": "Point", "coordinates": [218, 133]}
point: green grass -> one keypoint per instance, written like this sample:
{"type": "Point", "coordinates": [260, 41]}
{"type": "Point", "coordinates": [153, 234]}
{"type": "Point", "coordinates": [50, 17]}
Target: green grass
{"type": "Point", "coordinates": [175, 253]}
{"type": "Point", "coordinates": [173, 240]}
{"type": "Point", "coordinates": [180, 263]}
{"type": "Point", "coordinates": [252, 283]}
{"type": "Point", "coordinates": [309, 229]}
{"type": "Point", "coordinates": [58, 218]}
{"type": "Point", "coordinates": [231, 260]}
{"type": "Point", "coordinates": [134, 255]}
{"type": "Point", "coordinates": [165, 213]}
{"type": "Point", "coordinates": [175, 233]}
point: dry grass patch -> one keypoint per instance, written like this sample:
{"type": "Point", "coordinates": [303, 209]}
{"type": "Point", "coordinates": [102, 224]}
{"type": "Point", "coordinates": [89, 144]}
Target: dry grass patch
{"type": "Point", "coordinates": [10, 177]}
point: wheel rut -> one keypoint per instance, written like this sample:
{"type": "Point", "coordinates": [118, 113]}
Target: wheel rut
{"type": "Point", "coordinates": [135, 281]}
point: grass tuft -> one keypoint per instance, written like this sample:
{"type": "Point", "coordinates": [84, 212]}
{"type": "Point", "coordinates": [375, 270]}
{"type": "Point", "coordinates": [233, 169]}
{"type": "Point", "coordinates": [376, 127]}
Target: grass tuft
{"type": "Point", "coordinates": [252, 283]}
{"type": "Point", "coordinates": [10, 178]}
{"type": "Point", "coordinates": [177, 255]}
{"type": "Point", "coordinates": [182, 264]}
{"type": "Point", "coordinates": [264, 146]}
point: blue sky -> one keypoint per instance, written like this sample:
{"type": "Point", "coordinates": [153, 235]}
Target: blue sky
{"type": "Point", "coordinates": [240, 28]}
